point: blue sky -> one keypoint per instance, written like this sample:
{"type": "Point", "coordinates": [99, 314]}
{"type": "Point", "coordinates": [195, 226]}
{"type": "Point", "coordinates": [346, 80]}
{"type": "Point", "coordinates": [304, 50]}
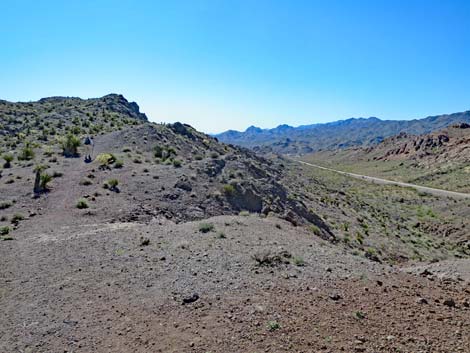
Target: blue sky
{"type": "Point", "coordinates": [221, 65]}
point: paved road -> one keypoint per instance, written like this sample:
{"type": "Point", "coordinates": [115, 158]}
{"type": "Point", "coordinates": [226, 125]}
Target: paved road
{"type": "Point", "coordinates": [432, 191]}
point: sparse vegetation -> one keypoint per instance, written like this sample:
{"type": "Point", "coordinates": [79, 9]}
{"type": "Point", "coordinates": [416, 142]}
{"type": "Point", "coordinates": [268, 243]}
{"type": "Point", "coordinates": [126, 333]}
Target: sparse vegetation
{"type": "Point", "coordinates": [112, 184]}
{"type": "Point", "coordinates": [228, 189]}
{"type": "Point", "coordinates": [273, 326]}
{"type": "Point", "coordinates": [5, 204]}
{"type": "Point", "coordinates": [82, 204]}
{"type": "Point", "coordinates": [16, 218]}
{"type": "Point", "coordinates": [359, 315]}
{"type": "Point", "coordinates": [8, 157]}
{"type": "Point", "coordinates": [70, 145]}
{"type": "Point", "coordinates": [315, 229]}
{"type": "Point", "coordinates": [45, 180]}
{"type": "Point", "coordinates": [105, 159]}
{"type": "Point", "coordinates": [298, 261]}
{"type": "Point", "coordinates": [206, 227]}
{"type": "Point", "coordinates": [26, 153]}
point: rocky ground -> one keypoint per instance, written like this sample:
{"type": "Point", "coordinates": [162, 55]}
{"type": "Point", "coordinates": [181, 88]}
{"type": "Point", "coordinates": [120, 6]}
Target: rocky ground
{"type": "Point", "coordinates": [249, 284]}
{"type": "Point", "coordinates": [179, 243]}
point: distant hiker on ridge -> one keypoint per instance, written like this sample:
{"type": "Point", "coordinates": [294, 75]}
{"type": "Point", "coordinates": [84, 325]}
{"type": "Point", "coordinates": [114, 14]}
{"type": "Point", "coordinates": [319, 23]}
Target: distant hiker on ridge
{"type": "Point", "coordinates": [89, 149]}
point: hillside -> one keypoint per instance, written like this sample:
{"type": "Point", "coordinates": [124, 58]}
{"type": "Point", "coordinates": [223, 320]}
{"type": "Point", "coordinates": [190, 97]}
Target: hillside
{"type": "Point", "coordinates": [440, 159]}
{"type": "Point", "coordinates": [340, 134]}
{"type": "Point", "coordinates": [192, 176]}
{"type": "Point", "coordinates": [169, 240]}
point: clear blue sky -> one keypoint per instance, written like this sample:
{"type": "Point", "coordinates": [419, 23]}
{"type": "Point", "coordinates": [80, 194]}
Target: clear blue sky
{"type": "Point", "coordinates": [230, 64]}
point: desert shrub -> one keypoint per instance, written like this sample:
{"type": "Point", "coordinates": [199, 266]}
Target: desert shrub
{"type": "Point", "coordinates": [359, 315]}
{"type": "Point", "coordinates": [214, 155]}
{"type": "Point", "coordinates": [86, 182]}
{"type": "Point", "coordinates": [8, 157]}
{"type": "Point", "coordinates": [17, 217]}
{"type": "Point", "coordinates": [228, 189]}
{"type": "Point", "coordinates": [57, 174]}
{"type": "Point", "coordinates": [359, 238]}
{"type": "Point", "coordinates": [105, 159]}
{"type": "Point", "coordinates": [26, 153]}
{"type": "Point", "coordinates": [164, 152]}
{"type": "Point", "coordinates": [266, 258]}
{"type": "Point", "coordinates": [298, 261]}
{"type": "Point", "coordinates": [44, 180]}
{"type": "Point", "coordinates": [4, 230]}
{"type": "Point", "coordinates": [118, 164]}
{"type": "Point", "coordinates": [81, 204]}
{"type": "Point", "coordinates": [315, 229]}
{"type": "Point", "coordinates": [206, 227]}
{"type": "Point", "coordinates": [198, 157]}
{"type": "Point", "coordinates": [70, 145]}
{"type": "Point", "coordinates": [176, 163]}
{"type": "Point", "coordinates": [112, 184]}
{"type": "Point", "coordinates": [5, 204]}
{"type": "Point", "coordinates": [244, 213]}
{"type": "Point", "coordinates": [158, 151]}
{"type": "Point", "coordinates": [273, 326]}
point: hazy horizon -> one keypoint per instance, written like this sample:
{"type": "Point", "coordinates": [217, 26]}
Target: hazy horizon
{"type": "Point", "coordinates": [232, 64]}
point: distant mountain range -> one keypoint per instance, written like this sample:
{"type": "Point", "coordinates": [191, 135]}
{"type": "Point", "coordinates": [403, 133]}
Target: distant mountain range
{"type": "Point", "coordinates": [339, 134]}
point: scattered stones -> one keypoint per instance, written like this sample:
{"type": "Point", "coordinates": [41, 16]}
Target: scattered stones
{"type": "Point", "coordinates": [335, 297]}
{"type": "Point", "coordinates": [422, 301]}
{"type": "Point", "coordinates": [191, 299]}
{"type": "Point", "coordinates": [449, 302]}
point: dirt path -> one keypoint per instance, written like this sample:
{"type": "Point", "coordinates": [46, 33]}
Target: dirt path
{"type": "Point", "coordinates": [428, 190]}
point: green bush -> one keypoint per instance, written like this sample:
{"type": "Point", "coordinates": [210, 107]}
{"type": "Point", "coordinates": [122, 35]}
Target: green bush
{"type": "Point", "coordinates": [44, 180]}
{"type": "Point", "coordinates": [206, 227]}
{"type": "Point", "coordinates": [70, 145]}
{"type": "Point", "coordinates": [8, 157]}
{"type": "Point", "coordinates": [81, 204]}
{"type": "Point", "coordinates": [177, 163]}
{"type": "Point", "coordinates": [112, 183]}
{"type": "Point", "coordinates": [86, 182]}
{"type": "Point", "coordinates": [4, 230]}
{"type": "Point", "coordinates": [105, 159]}
{"type": "Point", "coordinates": [5, 204]}
{"type": "Point", "coordinates": [17, 217]}
{"type": "Point", "coordinates": [118, 164]}
{"type": "Point", "coordinates": [273, 326]}
{"type": "Point", "coordinates": [228, 189]}
{"type": "Point", "coordinates": [298, 261]}
{"type": "Point", "coordinates": [315, 229]}
{"type": "Point", "coordinates": [26, 153]}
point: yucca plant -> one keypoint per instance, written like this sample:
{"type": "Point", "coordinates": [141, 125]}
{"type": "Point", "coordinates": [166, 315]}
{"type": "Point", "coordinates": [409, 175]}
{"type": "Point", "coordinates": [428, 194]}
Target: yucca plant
{"type": "Point", "coordinates": [8, 157]}
{"type": "Point", "coordinates": [44, 180]}
{"type": "Point", "coordinates": [70, 145]}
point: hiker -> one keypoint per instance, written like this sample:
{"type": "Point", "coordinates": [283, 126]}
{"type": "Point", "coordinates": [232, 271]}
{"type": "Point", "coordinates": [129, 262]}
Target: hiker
{"type": "Point", "coordinates": [90, 146]}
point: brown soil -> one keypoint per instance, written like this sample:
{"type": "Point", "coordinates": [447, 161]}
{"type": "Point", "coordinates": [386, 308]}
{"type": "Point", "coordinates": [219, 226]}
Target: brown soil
{"type": "Point", "coordinates": [96, 288]}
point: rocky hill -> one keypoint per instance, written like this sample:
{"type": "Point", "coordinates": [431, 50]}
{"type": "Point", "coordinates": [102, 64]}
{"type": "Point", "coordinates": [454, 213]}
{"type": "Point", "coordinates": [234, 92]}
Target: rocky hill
{"type": "Point", "coordinates": [164, 170]}
{"type": "Point", "coordinates": [439, 159]}
{"type": "Point", "coordinates": [450, 144]}
{"type": "Point", "coordinates": [340, 134]}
